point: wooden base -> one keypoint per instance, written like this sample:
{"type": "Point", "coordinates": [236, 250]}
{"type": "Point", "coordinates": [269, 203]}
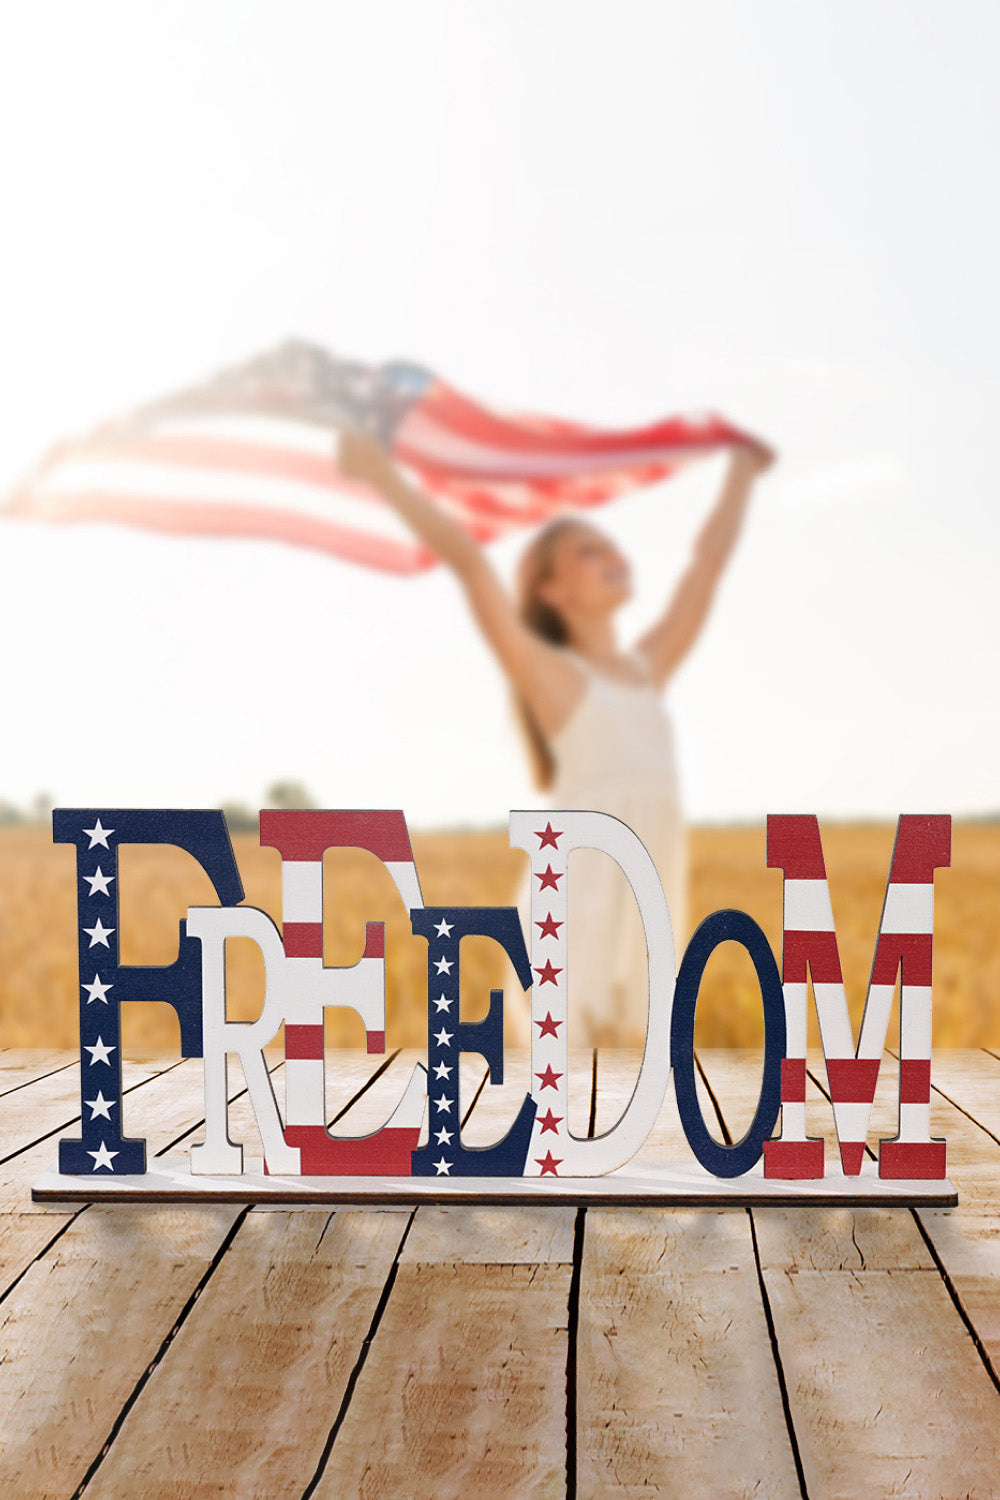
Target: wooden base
{"type": "Point", "coordinates": [649, 1184]}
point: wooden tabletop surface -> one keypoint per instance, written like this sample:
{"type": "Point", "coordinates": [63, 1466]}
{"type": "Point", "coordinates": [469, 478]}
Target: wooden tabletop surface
{"type": "Point", "coordinates": [153, 1350]}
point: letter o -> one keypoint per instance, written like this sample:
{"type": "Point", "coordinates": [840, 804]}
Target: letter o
{"type": "Point", "coordinates": [721, 927]}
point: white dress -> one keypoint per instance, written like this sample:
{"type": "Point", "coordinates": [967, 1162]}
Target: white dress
{"type": "Point", "coordinates": [615, 755]}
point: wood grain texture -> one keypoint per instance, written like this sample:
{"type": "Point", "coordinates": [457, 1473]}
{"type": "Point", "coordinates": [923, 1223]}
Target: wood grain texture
{"type": "Point", "coordinates": [23, 1237]}
{"type": "Point", "coordinates": [81, 1327]}
{"type": "Point", "coordinates": [464, 1389]}
{"type": "Point", "coordinates": [21, 1065]}
{"type": "Point", "coordinates": [244, 1400]}
{"type": "Point", "coordinates": [677, 1391]}
{"type": "Point", "coordinates": [465, 1382]}
{"type": "Point", "coordinates": [971, 1080]}
{"type": "Point", "coordinates": [840, 1239]}
{"type": "Point", "coordinates": [967, 1239]}
{"type": "Point", "coordinates": [888, 1394]}
{"type": "Point", "coordinates": [968, 1247]}
{"type": "Point", "coordinates": [83, 1323]}
{"type": "Point", "coordinates": [523, 1236]}
{"type": "Point", "coordinates": [677, 1388]}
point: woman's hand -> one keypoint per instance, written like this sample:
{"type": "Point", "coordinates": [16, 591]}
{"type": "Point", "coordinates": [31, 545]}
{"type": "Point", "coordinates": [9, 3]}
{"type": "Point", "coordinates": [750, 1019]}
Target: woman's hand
{"type": "Point", "coordinates": [754, 457]}
{"type": "Point", "coordinates": [360, 457]}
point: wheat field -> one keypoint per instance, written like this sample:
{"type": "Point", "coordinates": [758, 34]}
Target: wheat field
{"type": "Point", "coordinates": [38, 979]}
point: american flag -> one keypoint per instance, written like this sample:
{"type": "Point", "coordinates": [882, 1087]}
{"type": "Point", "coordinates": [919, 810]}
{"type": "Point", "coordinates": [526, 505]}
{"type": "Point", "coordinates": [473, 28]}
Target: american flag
{"type": "Point", "coordinates": [252, 453]}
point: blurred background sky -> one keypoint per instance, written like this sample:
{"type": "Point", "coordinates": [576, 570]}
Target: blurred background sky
{"type": "Point", "coordinates": [783, 212]}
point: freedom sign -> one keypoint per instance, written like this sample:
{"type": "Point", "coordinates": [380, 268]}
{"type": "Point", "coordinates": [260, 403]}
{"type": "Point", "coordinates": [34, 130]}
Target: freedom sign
{"type": "Point", "coordinates": [419, 1153]}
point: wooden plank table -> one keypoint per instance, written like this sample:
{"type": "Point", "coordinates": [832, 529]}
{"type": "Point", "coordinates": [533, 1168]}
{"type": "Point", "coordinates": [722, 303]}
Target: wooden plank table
{"type": "Point", "coordinates": [195, 1350]}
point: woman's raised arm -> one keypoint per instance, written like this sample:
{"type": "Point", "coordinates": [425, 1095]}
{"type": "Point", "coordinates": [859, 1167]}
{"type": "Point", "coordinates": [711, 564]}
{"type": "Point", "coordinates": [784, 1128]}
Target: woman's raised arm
{"type": "Point", "coordinates": [549, 683]}
{"type": "Point", "coordinates": [667, 643]}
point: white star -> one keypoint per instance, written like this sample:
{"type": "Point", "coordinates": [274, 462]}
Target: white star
{"type": "Point", "coordinates": [442, 1071]}
{"type": "Point", "coordinates": [100, 1106]}
{"type": "Point", "coordinates": [99, 934]}
{"type": "Point", "coordinates": [443, 1038]}
{"type": "Point", "coordinates": [97, 991]}
{"type": "Point", "coordinates": [443, 1105]}
{"type": "Point", "coordinates": [443, 1137]}
{"type": "Point", "coordinates": [103, 1157]}
{"type": "Point", "coordinates": [98, 835]}
{"type": "Point", "coordinates": [443, 1003]}
{"type": "Point", "coordinates": [102, 1053]}
{"type": "Point", "coordinates": [444, 965]}
{"type": "Point", "coordinates": [443, 929]}
{"type": "Point", "coordinates": [99, 883]}
{"type": "Point", "coordinates": [441, 1167]}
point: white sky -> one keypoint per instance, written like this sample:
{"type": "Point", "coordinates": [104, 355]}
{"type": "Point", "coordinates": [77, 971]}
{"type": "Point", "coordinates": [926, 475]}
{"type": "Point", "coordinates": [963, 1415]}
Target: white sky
{"type": "Point", "coordinates": [785, 212]}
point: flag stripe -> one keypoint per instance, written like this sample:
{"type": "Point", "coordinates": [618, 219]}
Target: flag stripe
{"type": "Point", "coordinates": [248, 521]}
{"type": "Point", "coordinates": [425, 442]}
{"type": "Point", "coordinates": [253, 453]}
{"type": "Point", "coordinates": [227, 455]}
{"type": "Point", "coordinates": [447, 408]}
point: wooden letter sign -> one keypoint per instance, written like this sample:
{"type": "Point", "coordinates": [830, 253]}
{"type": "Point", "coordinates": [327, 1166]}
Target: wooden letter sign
{"type": "Point", "coordinates": [419, 1152]}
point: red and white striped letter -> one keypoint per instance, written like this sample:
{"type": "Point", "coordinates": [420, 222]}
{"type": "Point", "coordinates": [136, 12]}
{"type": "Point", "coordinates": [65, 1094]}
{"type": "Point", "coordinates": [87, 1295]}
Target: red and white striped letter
{"type": "Point", "coordinates": [308, 986]}
{"type": "Point", "coordinates": [904, 944]}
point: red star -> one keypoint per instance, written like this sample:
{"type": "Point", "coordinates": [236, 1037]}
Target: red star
{"type": "Point", "coordinates": [550, 880]}
{"type": "Point", "coordinates": [548, 1026]}
{"type": "Point", "coordinates": [549, 1121]}
{"type": "Point", "coordinates": [549, 838]}
{"type": "Point", "coordinates": [548, 1163]}
{"type": "Point", "coordinates": [548, 974]}
{"type": "Point", "coordinates": [548, 1079]}
{"type": "Point", "coordinates": [550, 928]}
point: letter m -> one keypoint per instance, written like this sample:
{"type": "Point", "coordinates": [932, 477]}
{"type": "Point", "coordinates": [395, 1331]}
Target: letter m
{"type": "Point", "coordinates": [904, 947]}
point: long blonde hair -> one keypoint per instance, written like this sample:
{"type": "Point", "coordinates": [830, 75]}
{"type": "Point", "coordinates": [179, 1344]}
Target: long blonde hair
{"type": "Point", "coordinates": [536, 566]}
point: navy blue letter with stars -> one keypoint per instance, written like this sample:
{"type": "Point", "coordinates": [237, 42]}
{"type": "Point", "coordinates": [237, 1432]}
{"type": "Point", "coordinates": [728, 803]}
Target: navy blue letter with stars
{"type": "Point", "coordinates": [104, 983]}
{"type": "Point", "coordinates": [444, 1155]}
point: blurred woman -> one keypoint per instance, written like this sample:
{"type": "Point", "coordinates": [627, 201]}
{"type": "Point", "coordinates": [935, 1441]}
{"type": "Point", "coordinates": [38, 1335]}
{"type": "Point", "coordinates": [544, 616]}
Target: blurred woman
{"type": "Point", "coordinates": [597, 730]}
